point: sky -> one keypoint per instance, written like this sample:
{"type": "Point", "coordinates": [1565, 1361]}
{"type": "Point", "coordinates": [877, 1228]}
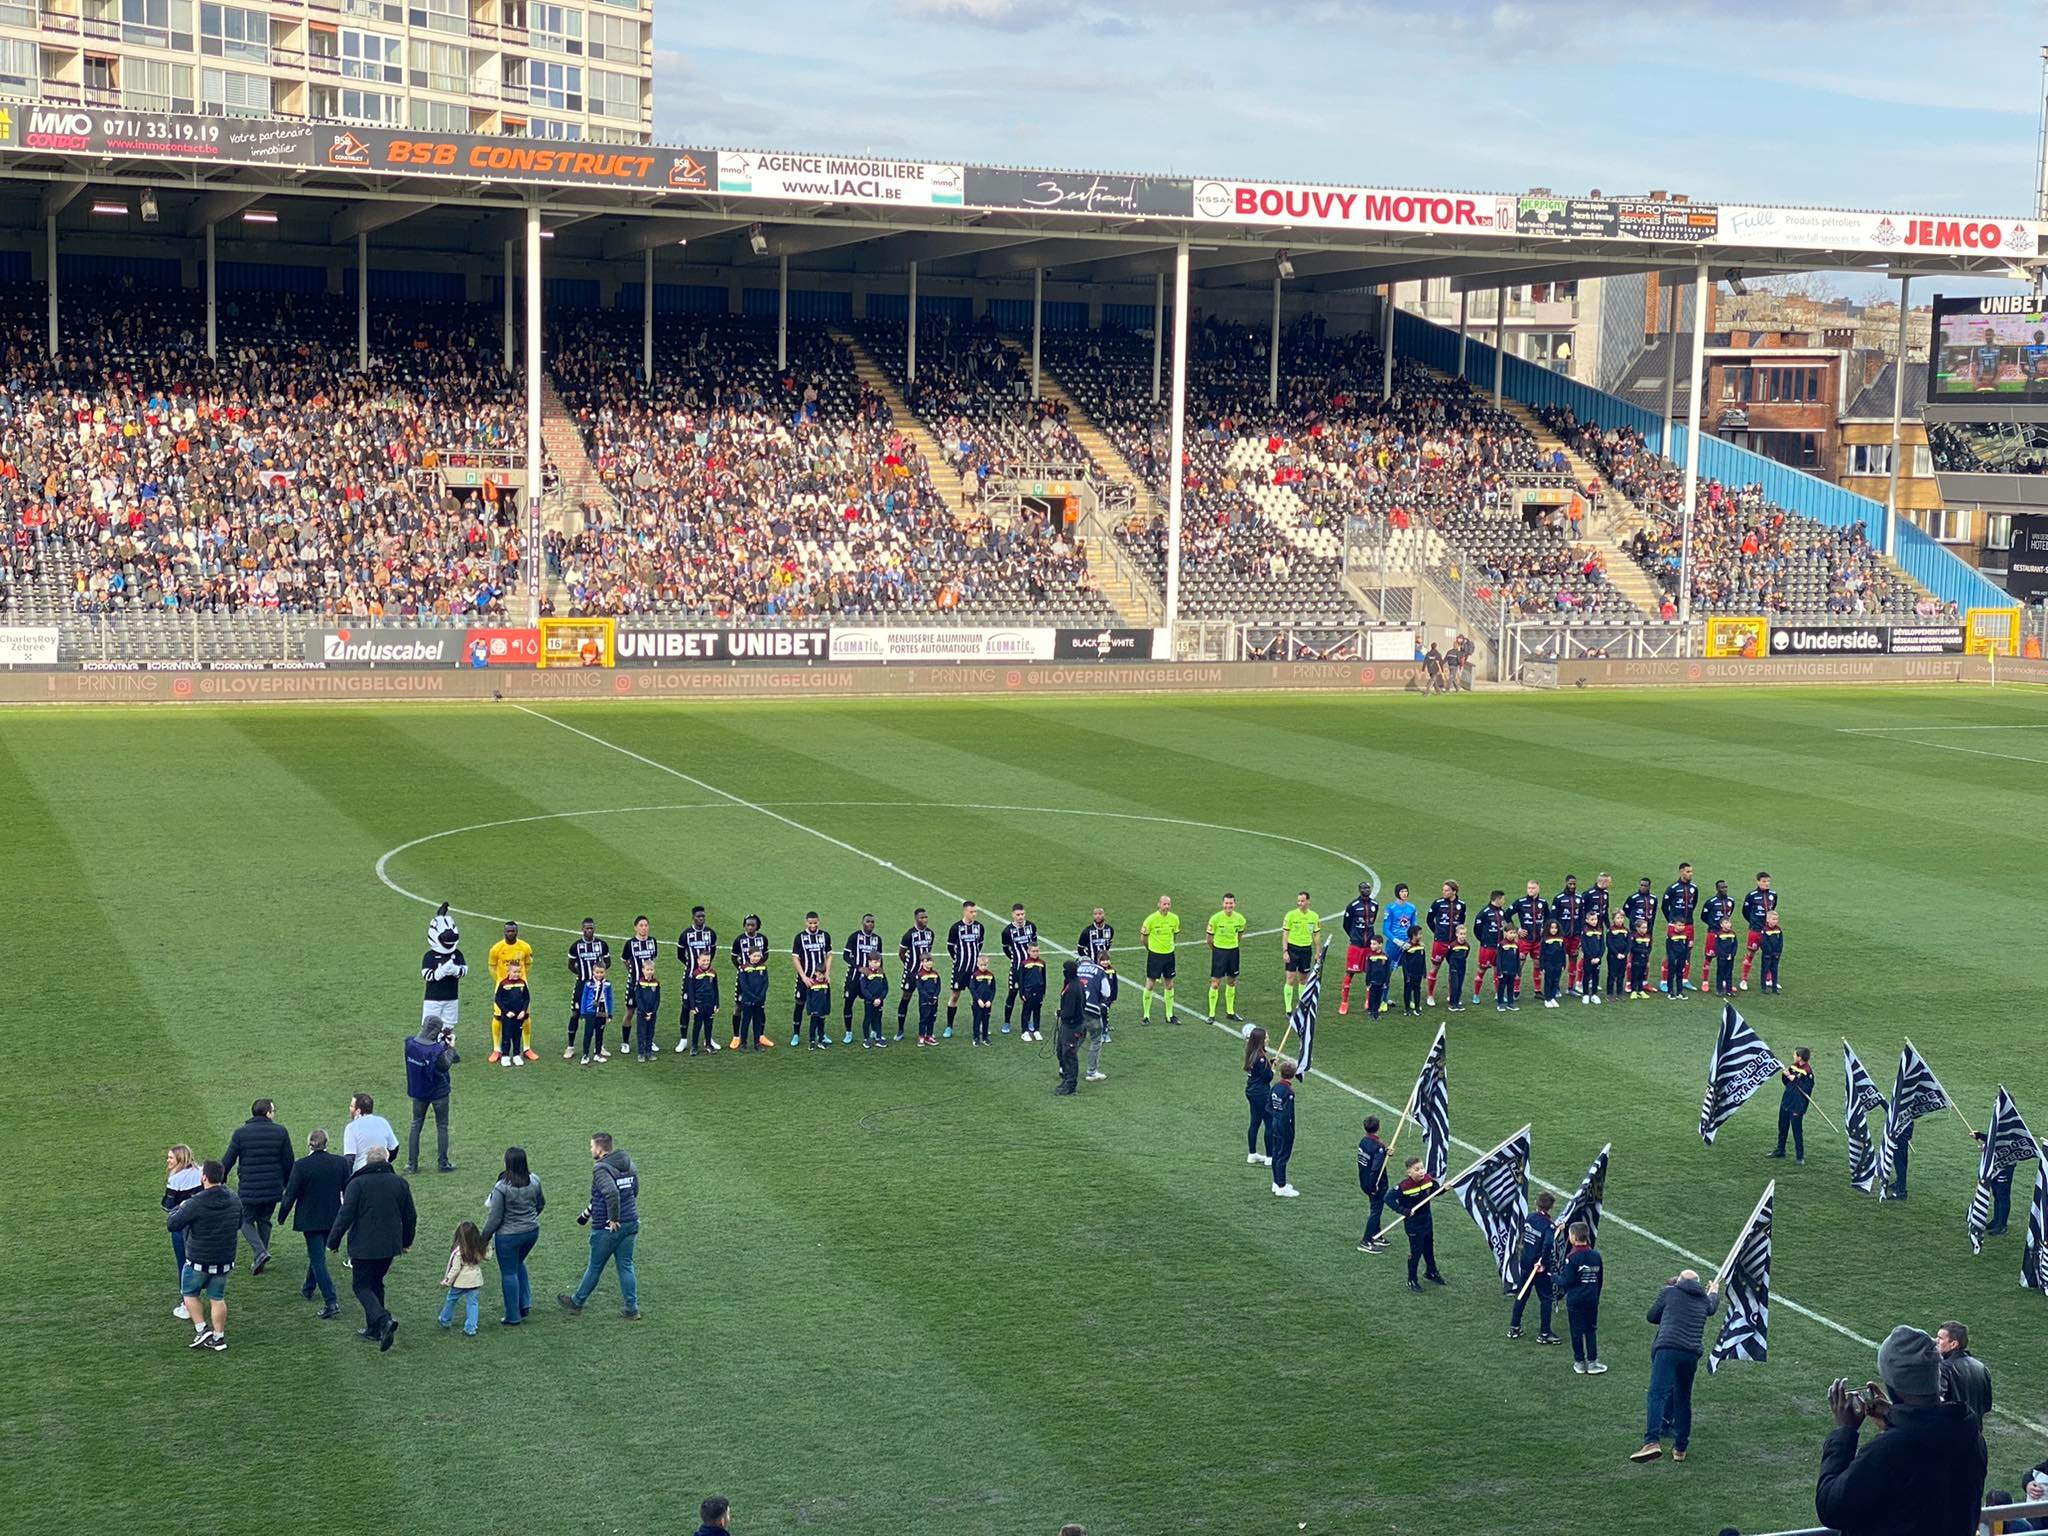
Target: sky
{"type": "Point", "coordinates": [1921, 105]}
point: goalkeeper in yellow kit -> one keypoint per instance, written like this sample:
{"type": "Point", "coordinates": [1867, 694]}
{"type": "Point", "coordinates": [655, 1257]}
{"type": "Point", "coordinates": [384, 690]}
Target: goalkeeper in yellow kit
{"type": "Point", "coordinates": [507, 952]}
{"type": "Point", "coordinates": [1226, 930]}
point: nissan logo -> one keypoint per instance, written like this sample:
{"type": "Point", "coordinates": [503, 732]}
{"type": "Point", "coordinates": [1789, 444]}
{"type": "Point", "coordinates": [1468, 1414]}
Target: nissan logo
{"type": "Point", "coordinates": [1212, 200]}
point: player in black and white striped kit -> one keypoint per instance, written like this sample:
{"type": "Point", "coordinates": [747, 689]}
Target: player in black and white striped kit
{"type": "Point", "coordinates": [1096, 939]}
{"type": "Point", "coordinates": [811, 952]}
{"type": "Point", "coordinates": [862, 945]}
{"type": "Point", "coordinates": [697, 942]}
{"type": "Point", "coordinates": [912, 949]}
{"type": "Point", "coordinates": [642, 948]}
{"type": "Point", "coordinates": [963, 943]}
{"type": "Point", "coordinates": [586, 954]}
{"type": "Point", "coordinates": [1018, 939]}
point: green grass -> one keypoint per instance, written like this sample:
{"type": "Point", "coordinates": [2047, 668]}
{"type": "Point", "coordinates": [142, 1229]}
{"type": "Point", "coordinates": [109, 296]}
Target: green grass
{"type": "Point", "coordinates": [916, 1292]}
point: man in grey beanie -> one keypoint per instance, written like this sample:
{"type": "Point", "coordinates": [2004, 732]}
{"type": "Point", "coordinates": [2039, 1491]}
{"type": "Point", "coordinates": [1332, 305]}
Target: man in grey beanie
{"type": "Point", "coordinates": [1923, 1474]}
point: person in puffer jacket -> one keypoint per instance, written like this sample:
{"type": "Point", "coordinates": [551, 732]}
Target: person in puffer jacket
{"type": "Point", "coordinates": [613, 1217]}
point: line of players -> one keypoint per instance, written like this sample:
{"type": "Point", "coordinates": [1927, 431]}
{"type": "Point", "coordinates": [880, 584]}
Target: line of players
{"type": "Point", "coordinates": [1564, 940]}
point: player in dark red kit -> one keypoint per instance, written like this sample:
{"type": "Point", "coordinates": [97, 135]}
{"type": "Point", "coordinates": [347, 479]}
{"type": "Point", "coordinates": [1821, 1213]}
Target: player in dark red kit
{"type": "Point", "coordinates": [1360, 918]}
{"type": "Point", "coordinates": [1640, 908]}
{"type": "Point", "coordinates": [1756, 906]}
{"type": "Point", "coordinates": [1445, 917]}
{"type": "Point", "coordinates": [1681, 902]}
{"type": "Point", "coordinates": [1714, 911]}
{"type": "Point", "coordinates": [1489, 928]}
{"type": "Point", "coordinates": [1531, 912]}
{"type": "Point", "coordinates": [1565, 909]}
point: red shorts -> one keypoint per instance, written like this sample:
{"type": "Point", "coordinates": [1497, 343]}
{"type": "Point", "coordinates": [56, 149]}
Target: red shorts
{"type": "Point", "coordinates": [1354, 959]}
{"type": "Point", "coordinates": [1528, 946]}
{"type": "Point", "coordinates": [1437, 950]}
{"type": "Point", "coordinates": [1756, 940]}
{"type": "Point", "coordinates": [1489, 957]}
{"type": "Point", "coordinates": [1571, 944]}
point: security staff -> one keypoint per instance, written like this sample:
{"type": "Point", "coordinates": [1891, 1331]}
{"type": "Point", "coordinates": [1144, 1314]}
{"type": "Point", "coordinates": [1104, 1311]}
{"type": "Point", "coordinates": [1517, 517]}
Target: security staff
{"type": "Point", "coordinates": [1411, 1198]}
{"type": "Point", "coordinates": [1539, 1235]}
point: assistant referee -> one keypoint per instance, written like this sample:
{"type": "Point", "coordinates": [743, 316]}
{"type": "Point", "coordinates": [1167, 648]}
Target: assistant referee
{"type": "Point", "coordinates": [1161, 929]}
{"type": "Point", "coordinates": [1298, 946]}
{"type": "Point", "coordinates": [1226, 930]}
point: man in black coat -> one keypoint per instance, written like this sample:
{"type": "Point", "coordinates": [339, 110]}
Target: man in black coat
{"type": "Point", "coordinates": [263, 1149]}
{"type": "Point", "coordinates": [210, 1221]}
{"type": "Point", "coordinates": [1067, 1039]}
{"type": "Point", "coordinates": [314, 1192]}
{"type": "Point", "coordinates": [378, 1219]}
{"type": "Point", "coordinates": [1924, 1474]}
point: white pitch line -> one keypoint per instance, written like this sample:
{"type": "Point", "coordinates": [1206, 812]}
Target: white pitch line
{"type": "Point", "coordinates": [1358, 1093]}
{"type": "Point", "coordinates": [1945, 746]}
{"type": "Point", "coordinates": [1881, 730]}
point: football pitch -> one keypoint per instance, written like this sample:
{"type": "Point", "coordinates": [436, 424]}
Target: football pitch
{"type": "Point", "coordinates": [913, 1291]}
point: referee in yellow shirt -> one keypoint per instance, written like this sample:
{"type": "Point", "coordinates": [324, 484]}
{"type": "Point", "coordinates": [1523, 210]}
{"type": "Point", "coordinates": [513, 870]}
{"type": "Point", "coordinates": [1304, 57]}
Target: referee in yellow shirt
{"type": "Point", "coordinates": [508, 951]}
{"type": "Point", "coordinates": [1161, 929]}
{"type": "Point", "coordinates": [1298, 946]}
{"type": "Point", "coordinates": [1226, 928]}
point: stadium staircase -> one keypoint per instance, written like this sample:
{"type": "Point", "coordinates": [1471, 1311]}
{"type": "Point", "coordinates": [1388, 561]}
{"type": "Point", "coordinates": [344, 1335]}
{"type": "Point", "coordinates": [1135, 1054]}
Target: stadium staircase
{"type": "Point", "coordinates": [579, 483]}
{"type": "Point", "coordinates": [870, 373]}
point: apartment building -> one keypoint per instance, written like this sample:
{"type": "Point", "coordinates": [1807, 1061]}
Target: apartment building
{"type": "Point", "coordinates": [572, 71]}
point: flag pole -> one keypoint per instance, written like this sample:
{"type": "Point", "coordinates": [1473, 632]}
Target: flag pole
{"type": "Point", "coordinates": [1824, 1120]}
{"type": "Point", "coordinates": [1736, 1247]}
{"type": "Point", "coordinates": [1534, 1270]}
{"type": "Point", "coordinates": [1944, 1092]}
{"type": "Point", "coordinates": [1476, 1165]}
{"type": "Point", "coordinates": [1413, 1094]}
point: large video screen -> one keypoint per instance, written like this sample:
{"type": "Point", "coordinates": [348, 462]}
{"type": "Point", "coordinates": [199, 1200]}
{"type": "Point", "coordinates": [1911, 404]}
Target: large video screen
{"type": "Point", "coordinates": [1995, 345]}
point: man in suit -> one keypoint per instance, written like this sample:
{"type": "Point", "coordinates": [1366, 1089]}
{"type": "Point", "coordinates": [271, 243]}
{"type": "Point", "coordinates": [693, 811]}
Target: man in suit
{"type": "Point", "coordinates": [314, 1192]}
{"type": "Point", "coordinates": [378, 1219]}
{"type": "Point", "coordinates": [263, 1150]}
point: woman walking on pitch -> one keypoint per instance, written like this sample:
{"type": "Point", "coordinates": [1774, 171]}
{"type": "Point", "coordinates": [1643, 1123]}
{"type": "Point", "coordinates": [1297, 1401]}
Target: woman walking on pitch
{"type": "Point", "coordinates": [181, 1183]}
{"type": "Point", "coordinates": [1258, 1091]}
{"type": "Point", "coordinates": [464, 1276]}
{"type": "Point", "coordinates": [512, 1216]}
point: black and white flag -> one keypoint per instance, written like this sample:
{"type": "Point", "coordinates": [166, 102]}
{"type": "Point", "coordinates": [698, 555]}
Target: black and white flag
{"type": "Point", "coordinates": [1859, 1098]}
{"type": "Point", "coordinates": [1431, 1110]}
{"type": "Point", "coordinates": [1915, 1092]}
{"type": "Point", "coordinates": [2007, 1144]}
{"type": "Point", "coordinates": [2034, 1264]}
{"type": "Point", "coordinates": [1303, 1020]}
{"type": "Point", "coordinates": [1746, 1291]}
{"type": "Point", "coordinates": [1740, 1065]}
{"type": "Point", "coordinates": [1495, 1193]}
{"type": "Point", "coordinates": [1583, 1206]}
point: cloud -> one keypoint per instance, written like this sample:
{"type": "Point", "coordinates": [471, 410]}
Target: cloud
{"type": "Point", "coordinates": [1002, 15]}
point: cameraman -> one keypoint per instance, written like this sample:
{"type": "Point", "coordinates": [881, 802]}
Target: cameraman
{"type": "Point", "coordinates": [428, 1056]}
{"type": "Point", "coordinates": [1924, 1474]}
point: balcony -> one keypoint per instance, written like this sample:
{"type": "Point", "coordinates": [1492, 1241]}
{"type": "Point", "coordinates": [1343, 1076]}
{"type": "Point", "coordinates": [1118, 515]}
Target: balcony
{"type": "Point", "coordinates": [59, 21]}
{"type": "Point", "coordinates": [102, 96]}
{"type": "Point", "coordinates": [487, 30]}
{"type": "Point", "coordinates": [106, 31]}
{"type": "Point", "coordinates": [62, 91]}
{"type": "Point", "coordinates": [323, 63]}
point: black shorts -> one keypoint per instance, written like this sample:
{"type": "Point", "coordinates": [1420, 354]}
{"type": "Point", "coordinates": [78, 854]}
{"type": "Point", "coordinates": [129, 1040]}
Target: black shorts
{"type": "Point", "coordinates": [963, 981]}
{"type": "Point", "coordinates": [1301, 957]}
{"type": "Point", "coordinates": [1223, 962]}
{"type": "Point", "coordinates": [1159, 967]}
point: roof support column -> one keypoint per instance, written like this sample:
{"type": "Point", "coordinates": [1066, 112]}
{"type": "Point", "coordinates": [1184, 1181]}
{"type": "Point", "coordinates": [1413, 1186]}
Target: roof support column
{"type": "Point", "coordinates": [1670, 363]}
{"type": "Point", "coordinates": [782, 310]}
{"type": "Point", "coordinates": [1500, 340]}
{"type": "Point", "coordinates": [50, 276]}
{"type": "Point", "coordinates": [1273, 350]}
{"type": "Point", "coordinates": [1692, 441]}
{"type": "Point", "coordinates": [1037, 324]}
{"type": "Point", "coordinates": [1158, 327]}
{"type": "Point", "coordinates": [1891, 496]}
{"type": "Point", "coordinates": [647, 318]}
{"type": "Point", "coordinates": [1387, 343]}
{"type": "Point", "coordinates": [212, 297]}
{"type": "Point", "coordinates": [533, 438]}
{"type": "Point", "coordinates": [1174, 474]}
{"type": "Point", "coordinates": [1464, 306]}
{"type": "Point", "coordinates": [511, 248]}
{"type": "Point", "coordinates": [910, 359]}
{"type": "Point", "coordinates": [363, 301]}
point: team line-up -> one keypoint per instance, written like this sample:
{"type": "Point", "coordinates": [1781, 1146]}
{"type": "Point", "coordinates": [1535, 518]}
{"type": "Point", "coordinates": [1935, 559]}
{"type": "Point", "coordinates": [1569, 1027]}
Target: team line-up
{"type": "Point", "coordinates": [1565, 939]}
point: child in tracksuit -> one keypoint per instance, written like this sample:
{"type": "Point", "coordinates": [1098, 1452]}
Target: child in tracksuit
{"type": "Point", "coordinates": [1774, 948]}
{"type": "Point", "coordinates": [927, 985]}
{"type": "Point", "coordinates": [1538, 1236]}
{"type": "Point", "coordinates": [1507, 980]}
{"type": "Point", "coordinates": [874, 991]}
{"type": "Point", "coordinates": [981, 999]}
{"type": "Point", "coordinates": [1377, 976]}
{"type": "Point", "coordinates": [1372, 1183]}
{"type": "Point", "coordinates": [1258, 1095]}
{"type": "Point", "coordinates": [646, 1009]}
{"type": "Point", "coordinates": [1639, 962]}
{"type": "Point", "coordinates": [1280, 1129]}
{"type": "Point", "coordinates": [817, 1006]}
{"type": "Point", "coordinates": [1677, 959]}
{"type": "Point", "coordinates": [1410, 1198]}
{"type": "Point", "coordinates": [512, 1006]}
{"type": "Point", "coordinates": [1724, 961]}
{"type": "Point", "coordinates": [1581, 1282]}
{"type": "Point", "coordinates": [1459, 955]}
{"type": "Point", "coordinates": [1550, 962]}
{"type": "Point", "coordinates": [1414, 967]}
{"type": "Point", "coordinates": [1031, 988]}
{"type": "Point", "coordinates": [703, 994]}
{"type": "Point", "coordinates": [1592, 950]}
{"type": "Point", "coordinates": [1617, 957]}
{"type": "Point", "coordinates": [594, 1007]}
{"type": "Point", "coordinates": [750, 990]}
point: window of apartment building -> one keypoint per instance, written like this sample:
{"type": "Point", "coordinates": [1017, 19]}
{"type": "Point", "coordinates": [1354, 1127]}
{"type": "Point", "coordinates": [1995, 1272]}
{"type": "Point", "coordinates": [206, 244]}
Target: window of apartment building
{"type": "Point", "coordinates": [440, 66]}
{"type": "Point", "coordinates": [102, 72]}
{"type": "Point", "coordinates": [1801, 450]}
{"type": "Point", "coordinates": [451, 16]}
{"type": "Point", "coordinates": [14, 13]}
{"type": "Point", "coordinates": [554, 85]}
{"type": "Point", "coordinates": [1998, 530]}
{"type": "Point", "coordinates": [19, 66]}
{"type": "Point", "coordinates": [156, 85]}
{"type": "Point", "coordinates": [347, 104]}
{"type": "Point", "coordinates": [370, 56]}
{"type": "Point", "coordinates": [374, 10]}
{"type": "Point", "coordinates": [1770, 386]}
{"type": "Point", "coordinates": [602, 133]}
{"type": "Point", "coordinates": [440, 116]}
{"type": "Point", "coordinates": [229, 32]}
{"type": "Point", "coordinates": [557, 28]}
{"type": "Point", "coordinates": [617, 38]}
{"type": "Point", "coordinates": [629, 5]}
{"type": "Point", "coordinates": [614, 95]}
{"type": "Point", "coordinates": [554, 128]}
{"type": "Point", "coordinates": [233, 93]}
{"type": "Point", "coordinates": [157, 23]}
{"type": "Point", "coordinates": [1948, 524]}
{"type": "Point", "coordinates": [1876, 459]}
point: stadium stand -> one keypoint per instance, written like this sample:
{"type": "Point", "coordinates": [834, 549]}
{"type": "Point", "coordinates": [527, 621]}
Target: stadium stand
{"type": "Point", "coordinates": [1749, 554]}
{"type": "Point", "coordinates": [738, 488]}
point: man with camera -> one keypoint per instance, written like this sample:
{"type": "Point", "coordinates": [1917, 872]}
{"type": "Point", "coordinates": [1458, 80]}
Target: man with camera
{"type": "Point", "coordinates": [428, 1056]}
{"type": "Point", "coordinates": [613, 1216]}
{"type": "Point", "coordinates": [1923, 1474]}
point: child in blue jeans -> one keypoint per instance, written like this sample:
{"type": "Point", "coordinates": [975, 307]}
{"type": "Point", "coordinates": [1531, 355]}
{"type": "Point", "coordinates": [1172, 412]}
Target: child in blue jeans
{"type": "Point", "coordinates": [465, 1275]}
